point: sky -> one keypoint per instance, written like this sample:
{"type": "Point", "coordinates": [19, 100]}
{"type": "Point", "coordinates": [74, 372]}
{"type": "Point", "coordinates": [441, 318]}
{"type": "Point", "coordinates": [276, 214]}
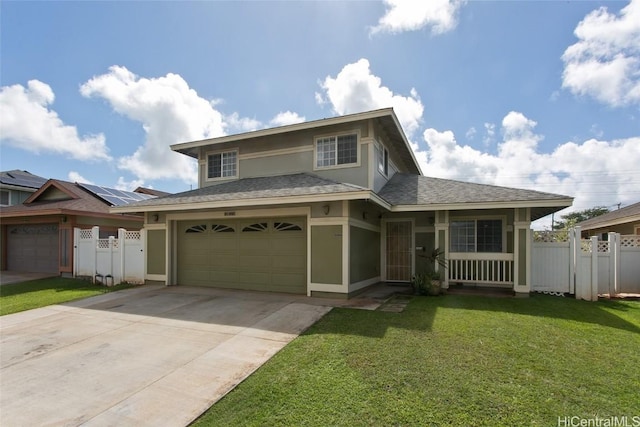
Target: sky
{"type": "Point", "coordinates": [541, 95]}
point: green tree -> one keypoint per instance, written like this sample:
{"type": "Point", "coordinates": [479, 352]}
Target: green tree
{"type": "Point", "coordinates": [571, 219]}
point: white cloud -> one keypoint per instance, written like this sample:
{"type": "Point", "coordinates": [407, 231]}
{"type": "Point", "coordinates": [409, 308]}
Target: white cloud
{"type": "Point", "coordinates": [471, 133]}
{"type": "Point", "coordinates": [595, 172]}
{"type": "Point", "coordinates": [355, 89]}
{"type": "Point", "coordinates": [605, 62]}
{"type": "Point", "coordinates": [236, 124]}
{"type": "Point", "coordinates": [125, 185]}
{"type": "Point", "coordinates": [411, 15]}
{"type": "Point", "coordinates": [29, 124]}
{"type": "Point", "coordinates": [286, 118]}
{"type": "Point", "coordinates": [170, 112]}
{"type": "Point", "coordinates": [490, 133]}
{"type": "Point", "coordinates": [74, 176]}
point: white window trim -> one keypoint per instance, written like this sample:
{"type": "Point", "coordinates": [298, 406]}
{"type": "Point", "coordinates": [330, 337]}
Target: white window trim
{"type": "Point", "coordinates": [382, 151]}
{"type": "Point", "coordinates": [221, 178]}
{"type": "Point", "coordinates": [337, 166]}
{"type": "Point", "coordinates": [8, 197]}
{"type": "Point", "coordinates": [502, 218]}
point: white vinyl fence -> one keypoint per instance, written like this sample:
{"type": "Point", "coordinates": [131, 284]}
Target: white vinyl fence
{"type": "Point", "coordinates": [562, 262]}
{"type": "Point", "coordinates": [109, 261]}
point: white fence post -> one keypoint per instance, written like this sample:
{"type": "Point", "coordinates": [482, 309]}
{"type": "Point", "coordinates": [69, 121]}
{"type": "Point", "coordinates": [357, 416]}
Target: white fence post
{"type": "Point", "coordinates": [614, 268]}
{"type": "Point", "coordinates": [95, 234]}
{"type": "Point", "coordinates": [121, 246]}
{"type": "Point", "coordinates": [76, 252]}
{"type": "Point", "coordinates": [574, 251]}
{"type": "Point", "coordinates": [593, 294]}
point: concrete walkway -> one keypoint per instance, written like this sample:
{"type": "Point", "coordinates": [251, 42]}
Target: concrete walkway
{"type": "Point", "coordinates": [147, 356]}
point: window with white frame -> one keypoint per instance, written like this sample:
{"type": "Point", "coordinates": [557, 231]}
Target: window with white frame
{"type": "Point", "coordinates": [383, 160]}
{"type": "Point", "coordinates": [336, 150]}
{"type": "Point", "coordinates": [481, 235]}
{"type": "Point", "coordinates": [4, 198]}
{"type": "Point", "coordinates": [222, 165]}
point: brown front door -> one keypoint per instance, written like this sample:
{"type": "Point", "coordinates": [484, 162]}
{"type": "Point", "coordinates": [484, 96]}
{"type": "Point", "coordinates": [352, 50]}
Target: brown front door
{"type": "Point", "coordinates": [399, 251]}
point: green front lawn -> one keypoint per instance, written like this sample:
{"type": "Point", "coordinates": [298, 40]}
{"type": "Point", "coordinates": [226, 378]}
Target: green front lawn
{"type": "Point", "coordinates": [40, 293]}
{"type": "Point", "coordinates": [449, 361]}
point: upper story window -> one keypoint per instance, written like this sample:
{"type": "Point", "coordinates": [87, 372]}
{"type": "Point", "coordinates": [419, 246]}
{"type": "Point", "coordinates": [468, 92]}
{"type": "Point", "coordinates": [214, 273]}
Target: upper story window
{"type": "Point", "coordinates": [222, 165]}
{"type": "Point", "coordinates": [482, 235]}
{"type": "Point", "coordinates": [336, 150]}
{"type": "Point", "coordinates": [383, 159]}
{"type": "Point", "coordinates": [4, 198]}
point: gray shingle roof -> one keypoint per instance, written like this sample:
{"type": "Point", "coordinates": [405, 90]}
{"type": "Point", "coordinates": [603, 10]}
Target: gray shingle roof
{"type": "Point", "coordinates": [301, 184]}
{"type": "Point", "coordinates": [406, 189]}
{"type": "Point", "coordinates": [628, 213]}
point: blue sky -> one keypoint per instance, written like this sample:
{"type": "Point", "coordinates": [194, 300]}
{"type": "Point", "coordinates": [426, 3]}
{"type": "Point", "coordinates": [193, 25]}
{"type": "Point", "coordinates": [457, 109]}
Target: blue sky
{"type": "Point", "coordinates": [541, 95]}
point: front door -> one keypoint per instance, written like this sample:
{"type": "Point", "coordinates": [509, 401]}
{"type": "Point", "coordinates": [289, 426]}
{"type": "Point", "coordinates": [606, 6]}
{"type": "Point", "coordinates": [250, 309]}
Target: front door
{"type": "Point", "coordinates": [399, 251]}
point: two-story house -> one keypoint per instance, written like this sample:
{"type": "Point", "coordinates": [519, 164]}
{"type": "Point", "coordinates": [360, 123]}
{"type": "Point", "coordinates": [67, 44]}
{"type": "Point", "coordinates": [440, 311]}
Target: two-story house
{"type": "Point", "coordinates": [329, 207]}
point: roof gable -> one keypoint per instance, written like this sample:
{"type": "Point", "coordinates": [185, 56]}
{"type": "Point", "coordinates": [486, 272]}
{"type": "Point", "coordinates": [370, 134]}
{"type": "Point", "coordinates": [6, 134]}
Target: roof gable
{"type": "Point", "coordinates": [52, 190]}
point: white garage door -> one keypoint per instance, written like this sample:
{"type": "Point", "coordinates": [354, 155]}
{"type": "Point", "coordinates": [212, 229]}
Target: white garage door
{"type": "Point", "coordinates": [263, 254]}
{"type": "Point", "coordinates": [32, 248]}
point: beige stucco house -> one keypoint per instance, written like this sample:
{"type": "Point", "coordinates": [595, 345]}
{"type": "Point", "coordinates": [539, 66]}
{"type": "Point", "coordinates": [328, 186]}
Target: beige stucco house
{"type": "Point", "coordinates": [330, 207]}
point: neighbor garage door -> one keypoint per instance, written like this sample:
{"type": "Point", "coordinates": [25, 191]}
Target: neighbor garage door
{"type": "Point", "coordinates": [263, 254]}
{"type": "Point", "coordinates": [32, 248]}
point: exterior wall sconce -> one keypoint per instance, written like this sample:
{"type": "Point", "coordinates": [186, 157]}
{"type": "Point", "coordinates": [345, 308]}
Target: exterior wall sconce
{"type": "Point", "coordinates": [364, 215]}
{"type": "Point", "coordinates": [155, 217]}
{"type": "Point", "coordinates": [326, 209]}
{"type": "Point", "coordinates": [64, 218]}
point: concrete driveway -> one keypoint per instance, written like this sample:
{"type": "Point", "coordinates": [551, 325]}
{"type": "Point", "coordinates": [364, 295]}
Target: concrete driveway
{"type": "Point", "coordinates": [145, 356]}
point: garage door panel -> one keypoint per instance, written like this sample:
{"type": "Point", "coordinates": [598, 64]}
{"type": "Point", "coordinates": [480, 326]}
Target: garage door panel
{"type": "Point", "coordinates": [222, 261]}
{"type": "Point", "coordinates": [224, 276]}
{"type": "Point", "coordinates": [33, 248]}
{"type": "Point", "coordinates": [290, 263]}
{"type": "Point", "coordinates": [255, 278]}
{"type": "Point", "coordinates": [255, 262]}
{"type": "Point", "coordinates": [265, 258]}
{"type": "Point", "coordinates": [254, 245]}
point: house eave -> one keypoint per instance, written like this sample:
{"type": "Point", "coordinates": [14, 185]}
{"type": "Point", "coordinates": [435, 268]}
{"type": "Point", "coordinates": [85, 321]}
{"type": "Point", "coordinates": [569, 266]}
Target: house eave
{"type": "Point", "coordinates": [18, 188]}
{"type": "Point", "coordinates": [263, 201]}
{"type": "Point", "coordinates": [49, 212]}
{"type": "Point", "coordinates": [611, 223]}
{"type": "Point", "coordinates": [559, 203]}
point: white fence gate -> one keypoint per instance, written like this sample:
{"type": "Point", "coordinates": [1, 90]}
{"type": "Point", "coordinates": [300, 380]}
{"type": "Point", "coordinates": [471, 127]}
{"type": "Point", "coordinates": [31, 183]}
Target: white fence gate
{"type": "Point", "coordinates": [562, 262]}
{"type": "Point", "coordinates": [109, 261]}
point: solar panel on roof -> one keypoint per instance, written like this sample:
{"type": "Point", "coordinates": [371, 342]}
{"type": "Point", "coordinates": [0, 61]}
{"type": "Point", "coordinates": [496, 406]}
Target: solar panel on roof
{"type": "Point", "coordinates": [115, 197]}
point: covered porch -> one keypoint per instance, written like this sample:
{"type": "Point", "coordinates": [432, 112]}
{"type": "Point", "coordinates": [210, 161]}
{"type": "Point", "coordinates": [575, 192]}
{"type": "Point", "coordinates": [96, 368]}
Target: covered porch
{"type": "Point", "coordinates": [481, 247]}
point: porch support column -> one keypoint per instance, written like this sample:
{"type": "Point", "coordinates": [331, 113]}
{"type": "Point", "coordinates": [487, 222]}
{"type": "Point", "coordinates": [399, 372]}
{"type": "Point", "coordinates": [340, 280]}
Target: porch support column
{"type": "Point", "coordinates": [442, 241]}
{"type": "Point", "coordinates": [522, 252]}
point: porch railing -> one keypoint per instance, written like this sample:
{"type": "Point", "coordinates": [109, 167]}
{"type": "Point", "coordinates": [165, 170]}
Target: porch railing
{"type": "Point", "coordinates": [482, 268]}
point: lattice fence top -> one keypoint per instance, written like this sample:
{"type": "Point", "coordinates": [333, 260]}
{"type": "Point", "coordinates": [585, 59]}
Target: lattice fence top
{"type": "Point", "coordinates": [551, 236]}
{"type": "Point", "coordinates": [104, 243]}
{"type": "Point", "coordinates": [86, 235]}
{"type": "Point", "coordinates": [603, 246]}
{"type": "Point", "coordinates": [132, 235]}
{"type": "Point", "coordinates": [585, 245]}
{"type": "Point", "coordinates": [631, 241]}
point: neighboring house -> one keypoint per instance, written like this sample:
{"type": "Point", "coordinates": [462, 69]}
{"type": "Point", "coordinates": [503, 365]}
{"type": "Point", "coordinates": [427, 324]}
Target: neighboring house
{"type": "Point", "coordinates": [329, 207]}
{"type": "Point", "coordinates": [37, 235]}
{"type": "Point", "coordinates": [17, 185]}
{"type": "Point", "coordinates": [624, 221]}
